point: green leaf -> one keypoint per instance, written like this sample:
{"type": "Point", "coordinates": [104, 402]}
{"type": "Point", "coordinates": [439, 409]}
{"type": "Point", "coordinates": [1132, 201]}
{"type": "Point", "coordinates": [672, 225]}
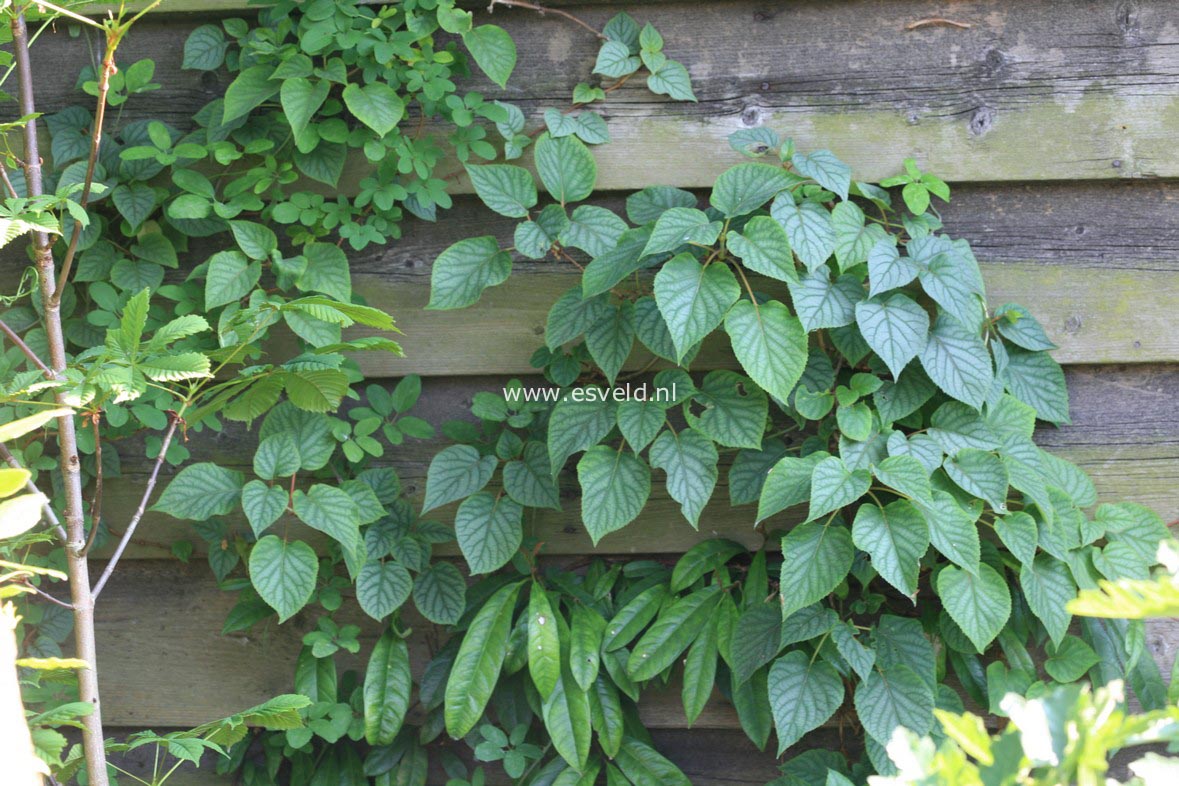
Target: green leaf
{"type": "Point", "coordinates": [770, 344]}
{"type": "Point", "coordinates": [633, 617]}
{"type": "Point", "coordinates": [671, 634]}
{"type": "Point", "coordinates": [820, 559]}
{"type": "Point", "coordinates": [576, 425]}
{"type": "Point", "coordinates": [980, 604]}
{"type": "Point", "coordinates": [887, 269]}
{"type": "Point", "coordinates": [747, 475]}
{"type": "Point", "coordinates": [896, 537]}
{"type": "Point", "coordinates": [595, 230]}
{"type": "Point", "coordinates": [301, 99]}
{"type": "Point", "coordinates": [327, 271]}
{"type": "Point", "coordinates": [809, 227]}
{"type": "Point", "coordinates": [643, 207]}
{"type": "Point", "coordinates": [566, 167]}
{"type": "Point", "coordinates": [229, 277]}
{"type": "Point", "coordinates": [764, 247]}
{"type": "Point", "coordinates": [586, 629]}
{"type": "Point", "coordinates": [201, 491]}
{"type": "Point", "coordinates": [1016, 324]}
{"type": "Point", "coordinates": [494, 51]}
{"type": "Point", "coordinates": [693, 299]}
{"type": "Point", "coordinates": [331, 511]}
{"type": "Point", "coordinates": [700, 671]}
{"type": "Point", "coordinates": [853, 238]}
{"type": "Point", "coordinates": [615, 485]}
{"type": "Point", "coordinates": [249, 88]}
{"type": "Point", "coordinates": [958, 362]}
{"type": "Point", "coordinates": [506, 189]}
{"type": "Point", "coordinates": [894, 696]}
{"type": "Point", "coordinates": [489, 529]}
{"type": "Point", "coordinates": [611, 338]}
{"type": "Point", "coordinates": [382, 587]}
{"type": "Point", "coordinates": [861, 658]}
{"type": "Point", "coordinates": [572, 315]}
{"type": "Point", "coordinates": [952, 530]}
{"type": "Point", "coordinates": [672, 79]}
{"type": "Point", "coordinates": [689, 458]}
{"type": "Point", "coordinates": [544, 642]}
{"type": "Point", "coordinates": [640, 421]}
{"type": "Point", "coordinates": [440, 592]}
{"type": "Point", "coordinates": [746, 187]}
{"type": "Point", "coordinates": [566, 714]}
{"type": "Point", "coordinates": [735, 410]}
{"type": "Point", "coordinates": [529, 479]}
{"type": "Point", "coordinates": [1019, 534]}
{"type": "Point", "coordinates": [387, 687]}
{"type": "Point", "coordinates": [956, 426]}
{"type": "Point", "coordinates": [641, 764]}
{"type": "Point", "coordinates": [1071, 660]}
{"type": "Point", "coordinates": [705, 556]}
{"type": "Point", "coordinates": [283, 574]}
{"type": "Point", "coordinates": [787, 484]}
{"type": "Point", "coordinates": [456, 472]}
{"type": "Point", "coordinates": [135, 202]}
{"type": "Point", "coordinates": [678, 226]}
{"type": "Point", "coordinates": [375, 104]}
{"type": "Point", "coordinates": [758, 639]}
{"type": "Point", "coordinates": [855, 421]}
{"type": "Point", "coordinates": [263, 505]}
{"type": "Point", "coordinates": [825, 169]}
{"type": "Point", "coordinates": [1134, 525]}
{"type": "Point", "coordinates": [834, 485]}
{"type": "Point", "coordinates": [906, 475]}
{"type": "Point", "coordinates": [823, 303]}
{"type": "Point", "coordinates": [615, 60]}
{"type": "Point", "coordinates": [465, 269]}
{"type": "Point", "coordinates": [616, 263]}
{"type": "Point", "coordinates": [204, 49]}
{"type": "Point", "coordinates": [980, 473]}
{"type": "Point", "coordinates": [478, 662]}
{"type": "Point", "coordinates": [324, 164]}
{"type": "Point", "coordinates": [1049, 587]}
{"type": "Point", "coordinates": [895, 327]}
{"type": "Point", "coordinates": [804, 693]}
{"type": "Point", "coordinates": [1038, 381]}
{"type": "Point", "coordinates": [943, 278]}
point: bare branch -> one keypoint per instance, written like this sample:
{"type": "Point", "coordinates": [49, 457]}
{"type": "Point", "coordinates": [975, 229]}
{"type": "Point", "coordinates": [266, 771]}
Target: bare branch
{"type": "Point", "coordinates": [540, 9]}
{"type": "Point", "coordinates": [147, 492]}
{"type": "Point", "coordinates": [19, 343]}
{"type": "Point", "coordinates": [37, 590]}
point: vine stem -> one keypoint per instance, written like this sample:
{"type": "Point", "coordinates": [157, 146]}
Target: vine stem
{"type": "Point", "coordinates": [540, 9]}
{"type": "Point", "coordinates": [67, 438]}
{"type": "Point", "coordinates": [147, 492]}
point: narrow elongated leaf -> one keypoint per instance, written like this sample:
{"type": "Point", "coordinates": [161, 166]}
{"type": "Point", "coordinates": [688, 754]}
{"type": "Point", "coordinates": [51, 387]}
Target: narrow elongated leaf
{"type": "Point", "coordinates": [544, 642]}
{"type": "Point", "coordinates": [804, 693]}
{"type": "Point", "coordinates": [387, 687]}
{"type": "Point", "coordinates": [672, 633]}
{"type": "Point", "coordinates": [702, 558]}
{"type": "Point", "coordinates": [566, 714]}
{"type": "Point", "coordinates": [758, 638]}
{"type": "Point", "coordinates": [586, 629]}
{"type": "Point", "coordinates": [642, 764]}
{"type": "Point", "coordinates": [633, 617]}
{"type": "Point", "coordinates": [700, 671]}
{"type": "Point", "coordinates": [478, 662]}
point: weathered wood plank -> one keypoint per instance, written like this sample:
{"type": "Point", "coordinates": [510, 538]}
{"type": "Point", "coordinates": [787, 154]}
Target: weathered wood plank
{"type": "Point", "coordinates": [1045, 89]}
{"type": "Point", "coordinates": [170, 617]}
{"type": "Point", "coordinates": [1125, 434]}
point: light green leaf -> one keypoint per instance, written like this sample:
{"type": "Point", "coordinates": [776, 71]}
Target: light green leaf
{"type": "Point", "coordinates": [616, 263]}
{"type": "Point", "coordinates": [896, 538]}
{"type": "Point", "coordinates": [387, 687]}
{"type": "Point", "coordinates": [301, 99]}
{"type": "Point", "coordinates": [895, 327]}
{"type": "Point", "coordinates": [465, 269]}
{"type": "Point", "coordinates": [862, 659]}
{"type": "Point", "coordinates": [544, 642]}
{"type": "Point", "coordinates": [678, 226]}
{"type": "Point", "coordinates": [820, 558]}
{"type": "Point", "coordinates": [640, 421]}
{"type": "Point", "coordinates": [204, 49]}
{"type": "Point", "coordinates": [494, 51]}
{"type": "Point", "coordinates": [689, 458]}
{"type": "Point", "coordinates": [887, 269]}
{"type": "Point", "coordinates": [804, 693]}
{"type": "Point", "coordinates": [506, 189]}
{"type": "Point", "coordinates": [615, 485]}
{"type": "Point", "coordinates": [577, 425]}
{"type": "Point", "coordinates": [834, 486]}
{"type": "Point", "coordinates": [263, 505]}
{"type": "Point", "coordinates": [283, 574]}
{"type": "Point", "coordinates": [1038, 381]}
{"type": "Point", "coordinates": [787, 484]}
{"type": "Point", "coordinates": [956, 426]}
{"type": "Point", "coordinates": [735, 410]}
{"type": "Point", "coordinates": [229, 277]}
{"type": "Point", "coordinates": [905, 474]}
{"type": "Point", "coordinates": [1134, 525]}
{"type": "Point", "coordinates": [764, 247]}
{"type": "Point", "coordinates": [566, 167]}
{"type": "Point", "coordinates": [853, 238]}
{"type": "Point", "coordinates": [894, 696]}
{"type": "Point", "coordinates": [615, 60]}
{"type": "Point", "coordinates": [980, 604]}
{"type": "Point", "coordinates": [673, 80]}
{"type": "Point", "coordinates": [478, 662]}
{"type": "Point", "coordinates": [746, 187]}
{"type": "Point", "coordinates": [952, 530]}
{"type": "Point", "coordinates": [595, 230]}
{"type": "Point", "coordinates": [1019, 534]}
{"type": "Point", "coordinates": [700, 671]}
{"type": "Point", "coordinates": [823, 303]}
{"type": "Point", "coordinates": [642, 764]}
{"type": "Point", "coordinates": [628, 621]}
{"type": "Point", "coordinates": [382, 587]}
{"type": "Point", "coordinates": [809, 228]}
{"type": "Point", "coordinates": [456, 472]}
{"type": "Point", "coordinates": [489, 529]}
{"type": "Point", "coordinates": [566, 714]}
{"type": "Point", "coordinates": [958, 362]}
{"type": "Point", "coordinates": [586, 629]}
{"type": "Point", "coordinates": [1049, 587]}
{"type": "Point", "coordinates": [1071, 660]}
{"type": "Point", "coordinates": [201, 491]}
{"type": "Point", "coordinates": [611, 338]}
{"type": "Point", "coordinates": [327, 271]}
{"type": "Point", "coordinates": [440, 592]}
{"type": "Point", "coordinates": [331, 511]}
{"type": "Point", "coordinates": [980, 473]}
{"type": "Point", "coordinates": [529, 479]}
{"type": "Point", "coordinates": [825, 169]}
{"type": "Point", "coordinates": [770, 344]}
{"type": "Point", "coordinates": [572, 315]}
{"type": "Point", "coordinates": [944, 279]}
{"type": "Point", "coordinates": [249, 88]}
{"type": "Point", "coordinates": [1017, 325]}
{"type": "Point", "coordinates": [702, 558]}
{"type": "Point", "coordinates": [693, 298]}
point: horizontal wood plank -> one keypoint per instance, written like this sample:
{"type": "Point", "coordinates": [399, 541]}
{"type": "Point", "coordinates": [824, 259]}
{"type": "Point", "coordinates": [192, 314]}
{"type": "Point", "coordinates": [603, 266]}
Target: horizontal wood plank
{"type": "Point", "coordinates": [1125, 433]}
{"type": "Point", "coordinates": [1037, 90]}
{"type": "Point", "coordinates": [170, 617]}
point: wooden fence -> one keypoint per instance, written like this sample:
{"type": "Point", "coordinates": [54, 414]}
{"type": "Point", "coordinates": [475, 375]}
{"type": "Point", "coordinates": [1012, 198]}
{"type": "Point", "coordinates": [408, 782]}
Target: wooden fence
{"type": "Point", "coordinates": [1056, 121]}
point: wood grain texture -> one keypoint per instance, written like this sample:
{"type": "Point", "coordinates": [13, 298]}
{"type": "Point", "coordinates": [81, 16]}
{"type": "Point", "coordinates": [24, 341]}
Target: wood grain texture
{"type": "Point", "coordinates": [1044, 89]}
{"type": "Point", "coordinates": [1125, 433]}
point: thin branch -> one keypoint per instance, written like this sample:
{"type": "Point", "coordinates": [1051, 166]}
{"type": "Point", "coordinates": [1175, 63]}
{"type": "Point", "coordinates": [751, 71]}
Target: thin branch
{"type": "Point", "coordinates": [540, 9]}
{"type": "Point", "coordinates": [46, 508]}
{"type": "Point", "coordinates": [26, 349]}
{"type": "Point", "coordinates": [46, 595]}
{"type": "Point", "coordinates": [7, 183]}
{"type": "Point", "coordinates": [147, 492]}
{"type": "Point", "coordinates": [937, 20]}
{"type": "Point", "coordinates": [96, 500]}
